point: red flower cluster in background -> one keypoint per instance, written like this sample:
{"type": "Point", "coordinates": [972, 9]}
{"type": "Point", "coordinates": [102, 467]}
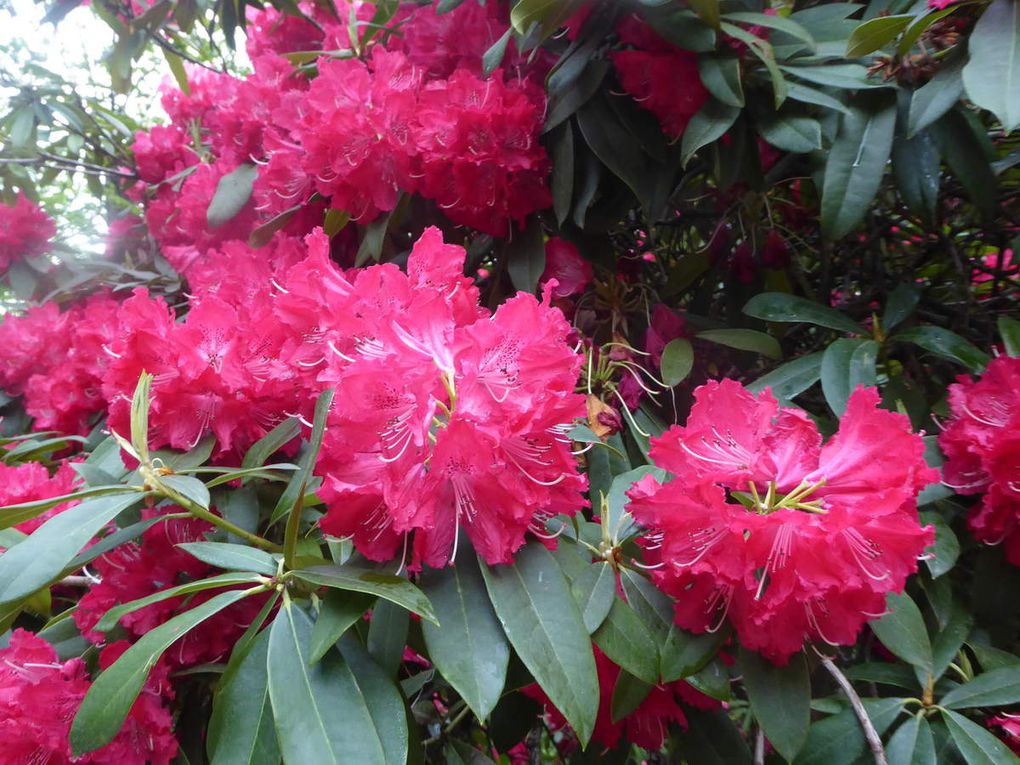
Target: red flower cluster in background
{"type": "Point", "coordinates": [39, 696]}
{"type": "Point", "coordinates": [788, 539]}
{"type": "Point", "coordinates": [25, 232]}
{"type": "Point", "coordinates": [982, 448]}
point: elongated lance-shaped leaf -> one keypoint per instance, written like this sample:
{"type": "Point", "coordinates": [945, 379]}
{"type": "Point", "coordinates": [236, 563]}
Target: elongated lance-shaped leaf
{"type": "Point", "coordinates": [41, 558]}
{"type": "Point", "coordinates": [232, 557]}
{"type": "Point", "coordinates": [355, 579]}
{"type": "Point", "coordinates": [301, 477]}
{"type": "Point", "coordinates": [106, 705]}
{"type": "Point", "coordinates": [12, 515]}
{"type": "Point", "coordinates": [780, 699]}
{"type": "Point", "coordinates": [140, 417]}
{"type": "Point", "coordinates": [533, 602]}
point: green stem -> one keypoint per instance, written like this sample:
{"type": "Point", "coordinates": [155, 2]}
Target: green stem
{"type": "Point", "coordinates": [290, 534]}
{"type": "Point", "coordinates": [200, 512]}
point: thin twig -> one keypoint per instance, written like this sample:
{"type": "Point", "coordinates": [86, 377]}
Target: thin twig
{"type": "Point", "coordinates": [759, 747]}
{"type": "Point", "coordinates": [874, 741]}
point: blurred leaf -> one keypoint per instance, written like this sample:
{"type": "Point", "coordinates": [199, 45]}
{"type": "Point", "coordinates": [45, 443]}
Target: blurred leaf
{"type": "Point", "coordinates": [786, 129]}
{"type": "Point", "coordinates": [677, 361]}
{"type": "Point", "coordinates": [1009, 331]}
{"type": "Point", "coordinates": [992, 75]}
{"type": "Point", "coordinates": [900, 305]}
{"type": "Point", "coordinates": [493, 57]}
{"type": "Point", "coordinates": [780, 306]}
{"type": "Point", "coordinates": [744, 340]}
{"type": "Point", "coordinates": [876, 33]}
{"type": "Point", "coordinates": [916, 164]}
{"type": "Point", "coordinates": [712, 739]}
{"type": "Point", "coordinates": [232, 193]}
{"type": "Point", "coordinates": [937, 96]}
{"type": "Point", "coordinates": [708, 125]}
{"type": "Point", "coordinates": [720, 74]}
{"type": "Point", "coordinates": [525, 255]}
{"type": "Point", "coordinates": [946, 344]}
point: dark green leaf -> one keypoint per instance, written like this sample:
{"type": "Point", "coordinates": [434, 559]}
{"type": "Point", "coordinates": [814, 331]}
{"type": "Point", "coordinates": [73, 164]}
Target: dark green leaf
{"type": "Point", "coordinates": [856, 164]}
{"type": "Point", "coordinates": [915, 163]}
{"type": "Point", "coordinates": [938, 96]}
{"type": "Point", "coordinates": [787, 130]}
{"type": "Point", "coordinates": [338, 611]}
{"type": "Point", "coordinates": [977, 745]}
{"type": "Point", "coordinates": [780, 699]}
{"type": "Point", "coordinates": [42, 557]}
{"type": "Point", "coordinates": [108, 701]}
{"type": "Point", "coordinates": [838, 740]}
{"type": "Point", "coordinates": [561, 149]}
{"type": "Point", "coordinates": [946, 344]}
{"type": "Point", "coordinates": [998, 688]}
{"type": "Point", "coordinates": [720, 74]}
{"type": "Point", "coordinates": [271, 443]}
{"type": "Point", "coordinates": [12, 515]}
{"type": "Point", "coordinates": [525, 254]}
{"type": "Point", "coordinates": [189, 488]}
{"type": "Point", "coordinates": [625, 639]}
{"type": "Point", "coordinates": [382, 698]}
{"type": "Point", "coordinates": [766, 54]}
{"type": "Point", "coordinates": [241, 730]}
{"type": "Point", "coordinates": [1009, 331]}
{"type": "Point", "coordinates": [800, 92]}
{"type": "Point", "coordinates": [628, 693]}
{"type": "Point", "coordinates": [780, 306]}
{"type": "Point", "coordinates": [900, 305]}
{"type": "Point", "coordinates": [744, 340]}
{"type": "Point", "coordinates": [677, 361]}
{"type": "Point", "coordinates": [964, 146]}
{"type": "Point", "coordinates": [387, 636]}
{"type": "Point", "coordinates": [320, 714]}
{"type": "Point", "coordinates": [594, 590]}
{"type": "Point", "coordinates": [712, 739]}
{"type": "Point", "coordinates": [992, 75]}
{"type": "Point", "coordinates": [533, 602]}
{"type": "Point", "coordinates": [876, 33]}
{"type": "Point", "coordinates": [708, 125]}
{"type": "Point", "coordinates": [232, 193]}
{"type": "Point", "coordinates": [792, 378]}
{"type": "Point", "coordinates": [946, 549]}
{"type": "Point", "coordinates": [902, 631]}
{"type": "Point", "coordinates": [912, 744]}
{"type": "Point", "coordinates": [844, 76]}
{"type": "Point", "coordinates": [299, 481]}
{"type": "Point", "coordinates": [493, 57]}
{"type": "Point", "coordinates": [949, 639]}
{"type": "Point", "coordinates": [468, 647]}
{"type": "Point", "coordinates": [354, 579]}
{"type": "Point", "coordinates": [836, 383]}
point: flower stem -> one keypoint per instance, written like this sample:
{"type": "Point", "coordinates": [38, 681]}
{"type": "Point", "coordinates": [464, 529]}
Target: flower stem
{"type": "Point", "coordinates": [874, 741]}
{"type": "Point", "coordinates": [200, 512]}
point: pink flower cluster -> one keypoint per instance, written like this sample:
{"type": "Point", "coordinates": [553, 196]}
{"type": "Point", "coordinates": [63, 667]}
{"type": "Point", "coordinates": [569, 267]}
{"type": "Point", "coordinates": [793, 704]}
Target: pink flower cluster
{"type": "Point", "coordinates": [789, 539]}
{"type": "Point", "coordinates": [39, 696]}
{"type": "Point", "coordinates": [25, 232]}
{"type": "Point", "coordinates": [414, 115]}
{"type": "Point", "coordinates": [57, 359]}
{"type": "Point", "coordinates": [982, 447]}
{"type": "Point", "coordinates": [30, 482]}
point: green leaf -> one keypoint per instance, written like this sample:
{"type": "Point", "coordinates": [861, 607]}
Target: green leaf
{"type": "Point", "coordinates": [720, 74]}
{"type": "Point", "coordinates": [493, 57]}
{"type": "Point", "coordinates": [382, 698]}
{"type": "Point", "coordinates": [792, 378]}
{"type": "Point", "coordinates": [140, 403]}
{"type": "Point", "coordinates": [468, 646]}
{"type": "Point", "coordinates": [561, 149]}
{"type": "Point", "coordinates": [232, 557]}
{"type": "Point", "coordinates": [965, 147]}
{"type": "Point", "coordinates": [525, 254]}
{"type": "Point", "coordinates": [707, 10]}
{"type": "Point", "coordinates": [916, 166]}
{"type": "Point", "coordinates": [708, 125]}
{"type": "Point", "coordinates": [594, 590]}
{"type": "Point", "coordinates": [997, 688]}
{"type": "Point", "coordinates": [992, 75]}
{"type": "Point", "coordinates": [263, 234]}
{"type": "Point", "coordinates": [108, 701]}
{"type": "Point", "coordinates": [780, 306]}
{"type": "Point", "coordinates": [977, 745]}
{"type": "Point", "coordinates": [712, 739]}
{"type": "Point", "coordinates": [11, 515]}
{"type": "Point", "coordinates": [680, 653]}
{"type": "Point", "coordinates": [876, 33]}
{"type": "Point", "coordinates": [241, 730]}
{"type": "Point", "coordinates": [189, 488]}
{"type": "Point", "coordinates": [387, 636]}
{"type": "Point", "coordinates": [787, 130]}
{"type": "Point", "coordinates": [548, 14]}
{"type": "Point", "coordinates": [838, 740]}
{"type": "Point", "coordinates": [766, 54]}
{"type": "Point", "coordinates": [628, 693]}
{"type": "Point", "coordinates": [800, 92]}
{"type": "Point", "coordinates": [533, 602]}
{"type": "Point", "coordinates": [338, 612]}
{"type": "Point", "coordinates": [900, 305]}
{"type": "Point", "coordinates": [949, 639]}
{"type": "Point", "coordinates": [111, 617]}
{"type": "Point", "coordinates": [744, 340]}
{"type": "Point", "coordinates": [836, 373]}
{"type": "Point", "coordinates": [902, 631]}
{"type": "Point", "coordinates": [320, 714]}
{"type": "Point", "coordinates": [1009, 331]}
{"type": "Point", "coordinates": [677, 361]}
{"type": "Point", "coordinates": [387, 586]}
{"type": "Point", "coordinates": [856, 164]}
{"type": "Point", "coordinates": [299, 481]}
{"type": "Point", "coordinates": [780, 23]}
{"type": "Point", "coordinates": [625, 639]}
{"type": "Point", "coordinates": [912, 744]}
{"type": "Point", "coordinates": [937, 96]}
{"type": "Point", "coordinates": [780, 699]}
{"type": "Point", "coordinates": [946, 344]}
{"type": "Point", "coordinates": [42, 557]}
{"type": "Point", "coordinates": [232, 193]}
{"type": "Point", "coordinates": [271, 443]}
{"type": "Point", "coordinates": [946, 549]}
{"type": "Point", "coordinates": [843, 76]}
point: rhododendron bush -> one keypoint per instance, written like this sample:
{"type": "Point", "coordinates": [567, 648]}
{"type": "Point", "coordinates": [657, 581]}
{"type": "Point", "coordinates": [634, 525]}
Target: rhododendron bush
{"type": "Point", "coordinates": [514, 381]}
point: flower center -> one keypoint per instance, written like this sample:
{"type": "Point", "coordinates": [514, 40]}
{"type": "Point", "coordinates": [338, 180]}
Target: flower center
{"type": "Point", "coordinates": [772, 500]}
